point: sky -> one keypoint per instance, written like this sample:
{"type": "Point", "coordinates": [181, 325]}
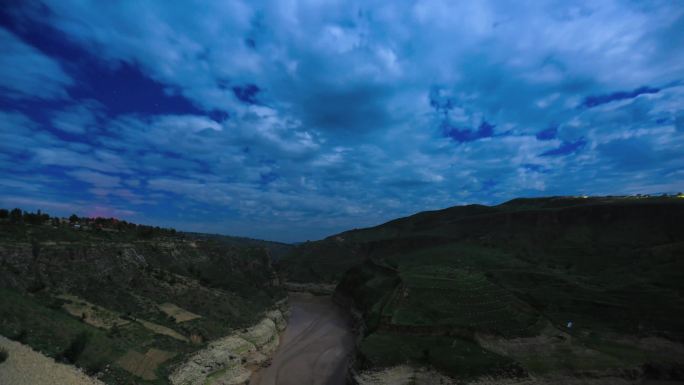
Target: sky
{"type": "Point", "coordinates": [294, 120]}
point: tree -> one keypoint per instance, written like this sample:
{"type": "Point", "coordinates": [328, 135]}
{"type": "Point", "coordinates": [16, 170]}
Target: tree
{"type": "Point", "coordinates": [16, 216]}
{"type": "Point", "coordinates": [73, 218]}
{"type": "Point", "coordinates": [33, 219]}
{"type": "Point", "coordinates": [4, 213]}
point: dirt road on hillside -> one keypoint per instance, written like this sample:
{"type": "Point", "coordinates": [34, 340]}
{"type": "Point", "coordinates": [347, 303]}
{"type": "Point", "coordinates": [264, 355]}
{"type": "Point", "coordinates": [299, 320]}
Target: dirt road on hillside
{"type": "Point", "coordinates": [314, 348]}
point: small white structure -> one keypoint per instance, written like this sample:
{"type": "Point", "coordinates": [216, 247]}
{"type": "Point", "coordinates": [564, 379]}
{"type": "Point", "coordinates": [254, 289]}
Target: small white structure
{"type": "Point", "coordinates": [569, 324]}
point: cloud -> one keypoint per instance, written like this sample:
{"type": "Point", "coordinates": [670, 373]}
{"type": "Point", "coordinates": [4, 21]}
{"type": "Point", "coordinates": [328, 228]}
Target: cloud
{"type": "Point", "coordinates": [246, 93]}
{"type": "Point", "coordinates": [566, 148]}
{"type": "Point", "coordinates": [597, 100]}
{"type": "Point", "coordinates": [28, 73]}
{"type": "Point", "coordinates": [96, 179]}
{"type": "Point", "coordinates": [185, 123]}
{"type": "Point", "coordinates": [485, 130]}
{"type": "Point", "coordinates": [293, 120]}
{"type": "Point", "coordinates": [78, 119]}
{"type": "Point", "coordinates": [547, 134]}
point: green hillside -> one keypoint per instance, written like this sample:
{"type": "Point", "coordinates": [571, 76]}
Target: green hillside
{"type": "Point", "coordinates": [102, 293]}
{"type": "Point", "coordinates": [480, 276]}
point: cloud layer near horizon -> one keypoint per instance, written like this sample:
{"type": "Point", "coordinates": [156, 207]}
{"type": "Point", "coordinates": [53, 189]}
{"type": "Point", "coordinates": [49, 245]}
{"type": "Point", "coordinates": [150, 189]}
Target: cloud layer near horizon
{"type": "Point", "coordinates": [293, 120]}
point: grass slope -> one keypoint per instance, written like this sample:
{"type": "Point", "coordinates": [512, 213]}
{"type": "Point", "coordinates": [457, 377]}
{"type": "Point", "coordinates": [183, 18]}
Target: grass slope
{"type": "Point", "coordinates": [518, 271]}
{"type": "Point", "coordinates": [126, 275]}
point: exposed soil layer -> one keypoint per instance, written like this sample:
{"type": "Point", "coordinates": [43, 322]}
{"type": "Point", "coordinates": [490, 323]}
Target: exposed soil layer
{"type": "Point", "coordinates": [25, 366]}
{"type": "Point", "coordinates": [315, 347]}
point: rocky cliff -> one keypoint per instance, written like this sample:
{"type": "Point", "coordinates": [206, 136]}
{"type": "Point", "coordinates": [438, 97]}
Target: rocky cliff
{"type": "Point", "coordinates": [229, 360]}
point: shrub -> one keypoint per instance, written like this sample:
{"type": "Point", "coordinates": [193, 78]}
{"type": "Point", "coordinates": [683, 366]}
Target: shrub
{"type": "Point", "coordinates": [114, 331]}
{"type": "Point", "coordinates": [3, 355]}
{"type": "Point", "coordinates": [73, 352]}
{"type": "Point", "coordinates": [95, 367]}
{"type": "Point", "coordinates": [21, 336]}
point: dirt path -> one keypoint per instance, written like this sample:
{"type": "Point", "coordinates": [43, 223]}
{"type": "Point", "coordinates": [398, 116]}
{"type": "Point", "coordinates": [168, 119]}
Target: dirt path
{"type": "Point", "coordinates": [314, 347]}
{"type": "Point", "coordinates": [28, 367]}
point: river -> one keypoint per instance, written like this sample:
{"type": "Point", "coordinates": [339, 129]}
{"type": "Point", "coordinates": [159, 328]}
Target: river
{"type": "Point", "coordinates": [315, 347]}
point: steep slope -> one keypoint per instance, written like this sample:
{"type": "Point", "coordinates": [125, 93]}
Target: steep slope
{"type": "Point", "coordinates": [127, 301]}
{"type": "Point", "coordinates": [436, 285]}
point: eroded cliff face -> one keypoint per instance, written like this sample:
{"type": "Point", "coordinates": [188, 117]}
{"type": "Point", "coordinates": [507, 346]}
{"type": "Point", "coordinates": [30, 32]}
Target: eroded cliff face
{"type": "Point", "coordinates": [230, 360]}
{"type": "Point", "coordinates": [64, 263]}
{"type": "Point", "coordinates": [227, 286]}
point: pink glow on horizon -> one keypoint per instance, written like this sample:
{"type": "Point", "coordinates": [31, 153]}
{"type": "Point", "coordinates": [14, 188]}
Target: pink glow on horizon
{"type": "Point", "coordinates": [107, 212]}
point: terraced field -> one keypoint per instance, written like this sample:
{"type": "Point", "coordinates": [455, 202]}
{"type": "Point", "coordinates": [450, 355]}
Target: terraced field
{"type": "Point", "coordinates": [543, 284]}
{"type": "Point", "coordinates": [451, 355]}
{"type": "Point", "coordinates": [442, 296]}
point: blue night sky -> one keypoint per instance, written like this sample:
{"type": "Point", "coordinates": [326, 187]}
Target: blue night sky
{"type": "Point", "coordinates": [293, 120]}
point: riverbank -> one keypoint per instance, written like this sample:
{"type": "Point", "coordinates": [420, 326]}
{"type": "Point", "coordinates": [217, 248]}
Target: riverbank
{"type": "Point", "coordinates": [315, 347]}
{"type": "Point", "coordinates": [232, 359]}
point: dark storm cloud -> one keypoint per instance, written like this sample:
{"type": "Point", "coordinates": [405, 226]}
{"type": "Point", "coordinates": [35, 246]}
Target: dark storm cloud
{"type": "Point", "coordinates": [597, 100]}
{"type": "Point", "coordinates": [247, 93]}
{"type": "Point", "coordinates": [548, 134]}
{"type": "Point", "coordinates": [485, 130]}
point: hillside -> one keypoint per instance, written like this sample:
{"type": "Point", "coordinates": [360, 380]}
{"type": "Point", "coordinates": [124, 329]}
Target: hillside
{"type": "Point", "coordinates": [126, 301]}
{"type": "Point", "coordinates": [541, 287]}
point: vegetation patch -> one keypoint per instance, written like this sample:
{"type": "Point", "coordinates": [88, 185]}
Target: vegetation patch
{"type": "Point", "coordinates": [144, 365]}
{"type": "Point", "coordinates": [440, 296]}
{"type": "Point", "coordinates": [453, 356]}
{"type": "Point", "coordinates": [91, 314]}
{"type": "Point", "coordinates": [554, 351]}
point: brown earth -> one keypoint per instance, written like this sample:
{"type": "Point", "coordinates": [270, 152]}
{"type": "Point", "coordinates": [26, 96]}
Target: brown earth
{"type": "Point", "coordinates": [315, 347]}
{"type": "Point", "coordinates": [159, 329]}
{"type": "Point", "coordinates": [178, 314]}
{"type": "Point", "coordinates": [25, 366]}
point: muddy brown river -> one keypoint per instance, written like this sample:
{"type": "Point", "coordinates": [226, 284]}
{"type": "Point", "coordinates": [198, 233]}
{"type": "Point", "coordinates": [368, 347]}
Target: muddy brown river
{"type": "Point", "coordinates": [315, 347]}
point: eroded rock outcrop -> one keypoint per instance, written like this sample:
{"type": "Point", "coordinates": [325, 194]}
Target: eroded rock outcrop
{"type": "Point", "coordinates": [225, 361]}
{"type": "Point", "coordinates": [401, 375]}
